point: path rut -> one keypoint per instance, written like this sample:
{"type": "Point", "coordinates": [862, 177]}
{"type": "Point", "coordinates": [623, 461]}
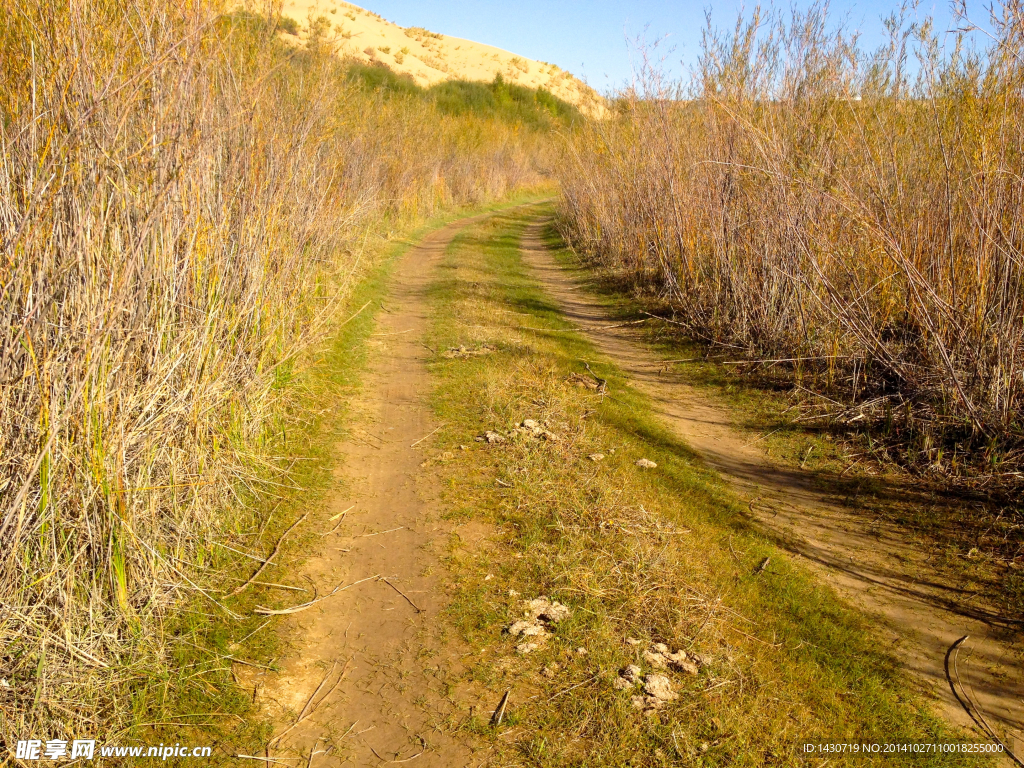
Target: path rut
{"type": "Point", "coordinates": [877, 568]}
{"type": "Point", "coordinates": [374, 649]}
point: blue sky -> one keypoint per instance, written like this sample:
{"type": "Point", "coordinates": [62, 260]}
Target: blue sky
{"type": "Point", "coordinates": [589, 38]}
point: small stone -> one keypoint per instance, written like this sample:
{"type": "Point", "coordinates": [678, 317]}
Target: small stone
{"type": "Point", "coordinates": [596, 456]}
{"type": "Point", "coordinates": [659, 687]}
{"type": "Point", "coordinates": [622, 684]}
{"type": "Point", "coordinates": [645, 464]}
{"type": "Point", "coordinates": [546, 610]}
{"type": "Point", "coordinates": [488, 577]}
{"type": "Point", "coordinates": [463, 447]}
{"type": "Point", "coordinates": [631, 674]}
{"type": "Point", "coordinates": [649, 704]}
{"type": "Point", "coordinates": [581, 651]}
{"type": "Point", "coordinates": [513, 593]}
{"type": "Point", "coordinates": [550, 671]}
{"type": "Point", "coordinates": [527, 628]}
{"type": "Point", "coordinates": [494, 437]}
{"type": "Point", "coordinates": [660, 648]}
{"type": "Point", "coordinates": [654, 704]}
{"type": "Point", "coordinates": [519, 627]}
{"type": "Point", "coordinates": [655, 659]}
{"type": "Point", "coordinates": [530, 424]}
{"type": "Point", "coordinates": [681, 662]}
{"type": "Point", "coordinates": [685, 665]}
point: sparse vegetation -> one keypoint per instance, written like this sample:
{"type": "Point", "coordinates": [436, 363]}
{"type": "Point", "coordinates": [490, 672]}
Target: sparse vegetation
{"type": "Point", "coordinates": [183, 213]}
{"type": "Point", "coordinates": [419, 34]}
{"type": "Point", "coordinates": [289, 25]}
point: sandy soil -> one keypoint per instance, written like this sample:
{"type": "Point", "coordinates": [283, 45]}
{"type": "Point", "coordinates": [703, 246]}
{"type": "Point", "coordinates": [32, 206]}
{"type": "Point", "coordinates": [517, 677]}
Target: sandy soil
{"type": "Point", "coordinates": [431, 58]}
{"type": "Point", "coordinates": [877, 567]}
{"type": "Point", "coordinates": [378, 642]}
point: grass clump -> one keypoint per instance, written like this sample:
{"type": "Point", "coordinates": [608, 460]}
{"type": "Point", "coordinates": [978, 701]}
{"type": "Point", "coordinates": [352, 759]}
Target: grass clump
{"type": "Point", "coordinates": [660, 555]}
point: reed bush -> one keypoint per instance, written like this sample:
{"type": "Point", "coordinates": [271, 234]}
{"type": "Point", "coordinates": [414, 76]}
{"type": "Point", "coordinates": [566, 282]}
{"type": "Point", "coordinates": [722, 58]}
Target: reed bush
{"type": "Point", "coordinates": [856, 214]}
{"type": "Point", "coordinates": [184, 201]}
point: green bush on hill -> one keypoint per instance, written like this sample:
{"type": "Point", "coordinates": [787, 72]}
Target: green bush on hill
{"type": "Point", "coordinates": [497, 99]}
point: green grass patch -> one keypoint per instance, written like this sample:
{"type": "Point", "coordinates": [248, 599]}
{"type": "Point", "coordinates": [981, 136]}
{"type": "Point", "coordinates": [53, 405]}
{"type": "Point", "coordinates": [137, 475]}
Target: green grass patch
{"type": "Point", "coordinates": [640, 556]}
{"type": "Point", "coordinates": [535, 107]}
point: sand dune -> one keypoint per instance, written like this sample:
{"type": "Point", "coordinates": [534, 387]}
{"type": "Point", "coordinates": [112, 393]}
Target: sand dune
{"type": "Point", "coordinates": [429, 57]}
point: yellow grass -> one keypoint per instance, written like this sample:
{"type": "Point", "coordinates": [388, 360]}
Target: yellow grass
{"type": "Point", "coordinates": [801, 199]}
{"type": "Point", "coordinates": [184, 201]}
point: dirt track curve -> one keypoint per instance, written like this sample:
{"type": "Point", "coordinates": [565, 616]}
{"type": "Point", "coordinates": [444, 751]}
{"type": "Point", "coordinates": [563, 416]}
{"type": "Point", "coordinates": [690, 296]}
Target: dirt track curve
{"type": "Point", "coordinates": [872, 566]}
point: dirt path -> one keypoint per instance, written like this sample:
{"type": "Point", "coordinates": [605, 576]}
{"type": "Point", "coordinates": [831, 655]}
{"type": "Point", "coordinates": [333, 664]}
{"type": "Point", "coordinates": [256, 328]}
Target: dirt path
{"type": "Point", "coordinates": [378, 641]}
{"type": "Point", "coordinates": [876, 567]}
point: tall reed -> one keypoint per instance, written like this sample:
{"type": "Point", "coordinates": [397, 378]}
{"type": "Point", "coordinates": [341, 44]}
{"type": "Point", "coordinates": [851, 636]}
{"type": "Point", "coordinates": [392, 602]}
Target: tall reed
{"type": "Point", "coordinates": [858, 214]}
{"type": "Point", "coordinates": [183, 205]}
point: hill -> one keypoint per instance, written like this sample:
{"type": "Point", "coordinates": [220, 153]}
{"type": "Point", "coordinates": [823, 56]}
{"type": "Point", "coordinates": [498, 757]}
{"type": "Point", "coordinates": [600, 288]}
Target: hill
{"type": "Point", "coordinates": [427, 57]}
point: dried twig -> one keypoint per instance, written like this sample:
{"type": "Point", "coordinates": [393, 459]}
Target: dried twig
{"type": "Point", "coordinates": [277, 548]}
{"type": "Point", "coordinates": [423, 748]}
{"type": "Point", "coordinates": [426, 436]}
{"type": "Point", "coordinates": [311, 706]}
{"type": "Point", "coordinates": [311, 603]}
{"type": "Point", "coordinates": [971, 708]}
{"type": "Point", "coordinates": [407, 598]}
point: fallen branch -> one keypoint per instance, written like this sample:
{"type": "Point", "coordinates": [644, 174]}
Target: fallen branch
{"type": "Point", "coordinates": [305, 606]}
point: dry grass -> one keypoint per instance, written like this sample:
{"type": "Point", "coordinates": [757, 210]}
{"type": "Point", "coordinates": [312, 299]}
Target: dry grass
{"type": "Point", "coordinates": [855, 215]}
{"type": "Point", "coordinates": [184, 202]}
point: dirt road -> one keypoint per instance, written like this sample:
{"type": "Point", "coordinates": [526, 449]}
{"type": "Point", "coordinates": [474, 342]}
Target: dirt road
{"type": "Point", "coordinates": [371, 654]}
{"type": "Point", "coordinates": [876, 568]}
{"type": "Point", "coordinates": [369, 679]}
